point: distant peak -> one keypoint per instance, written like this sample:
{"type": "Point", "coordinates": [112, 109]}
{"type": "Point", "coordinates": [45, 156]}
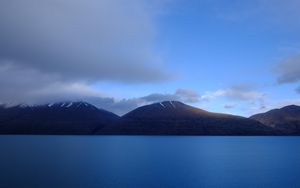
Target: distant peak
{"type": "Point", "coordinates": [291, 107]}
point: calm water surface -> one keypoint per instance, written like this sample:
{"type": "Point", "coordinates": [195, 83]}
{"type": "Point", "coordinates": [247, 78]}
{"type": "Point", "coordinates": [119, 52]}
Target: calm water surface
{"type": "Point", "coordinates": [148, 161]}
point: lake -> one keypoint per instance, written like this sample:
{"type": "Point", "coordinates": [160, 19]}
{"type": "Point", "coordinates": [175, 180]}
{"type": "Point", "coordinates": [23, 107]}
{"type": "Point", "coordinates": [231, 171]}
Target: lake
{"type": "Point", "coordinates": [148, 161]}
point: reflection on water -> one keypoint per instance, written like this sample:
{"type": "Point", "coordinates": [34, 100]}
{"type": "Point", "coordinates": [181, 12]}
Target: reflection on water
{"type": "Point", "coordinates": [148, 161]}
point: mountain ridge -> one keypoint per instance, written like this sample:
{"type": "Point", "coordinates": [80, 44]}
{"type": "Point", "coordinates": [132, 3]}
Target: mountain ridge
{"type": "Point", "coordinates": [54, 118]}
{"type": "Point", "coordinates": [285, 119]}
{"type": "Point", "coordinates": [162, 118]}
{"type": "Point", "coordinates": [173, 106]}
{"type": "Point", "coordinates": [177, 118]}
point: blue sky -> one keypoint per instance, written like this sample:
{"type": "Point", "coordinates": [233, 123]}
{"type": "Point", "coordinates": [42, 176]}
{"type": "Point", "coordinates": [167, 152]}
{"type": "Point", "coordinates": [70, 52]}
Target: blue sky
{"type": "Point", "coordinates": [212, 52]}
{"type": "Point", "coordinates": [239, 57]}
{"type": "Point", "coordinates": [208, 51]}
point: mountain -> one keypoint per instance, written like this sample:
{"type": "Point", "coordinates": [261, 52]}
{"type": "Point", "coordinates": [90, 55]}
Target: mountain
{"type": "Point", "coordinates": [286, 119]}
{"type": "Point", "coordinates": [176, 118]}
{"type": "Point", "coordinates": [165, 118]}
{"type": "Point", "coordinates": [55, 118]}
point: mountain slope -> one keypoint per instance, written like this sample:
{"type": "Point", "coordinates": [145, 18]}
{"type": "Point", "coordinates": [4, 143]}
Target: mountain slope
{"type": "Point", "coordinates": [56, 118]}
{"type": "Point", "coordinates": [176, 118]}
{"type": "Point", "coordinates": [286, 119]}
{"type": "Point", "coordinates": [169, 109]}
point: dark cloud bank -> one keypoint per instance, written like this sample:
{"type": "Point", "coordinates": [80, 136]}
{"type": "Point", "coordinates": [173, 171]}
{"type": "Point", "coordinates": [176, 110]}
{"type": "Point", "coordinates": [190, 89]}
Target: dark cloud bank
{"type": "Point", "coordinates": [289, 69]}
{"type": "Point", "coordinates": [55, 49]}
{"type": "Point", "coordinates": [89, 40]}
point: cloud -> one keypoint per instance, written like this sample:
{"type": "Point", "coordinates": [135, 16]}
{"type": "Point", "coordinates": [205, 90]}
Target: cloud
{"type": "Point", "coordinates": [66, 91]}
{"type": "Point", "coordinates": [187, 95]}
{"type": "Point", "coordinates": [114, 105]}
{"type": "Point", "coordinates": [57, 49]}
{"type": "Point", "coordinates": [289, 69]}
{"type": "Point", "coordinates": [264, 13]}
{"type": "Point", "coordinates": [248, 98]}
{"type": "Point", "coordinates": [281, 12]}
{"type": "Point", "coordinates": [229, 106]}
{"type": "Point", "coordinates": [298, 90]}
{"type": "Point", "coordinates": [241, 92]}
{"type": "Point", "coordinates": [82, 40]}
{"type": "Point", "coordinates": [157, 97]}
{"type": "Point", "coordinates": [125, 105]}
{"type": "Point", "coordinates": [30, 86]}
{"type": "Point", "coordinates": [184, 95]}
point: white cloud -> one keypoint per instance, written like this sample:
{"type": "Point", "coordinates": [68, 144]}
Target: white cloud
{"type": "Point", "coordinates": [248, 98]}
{"type": "Point", "coordinates": [239, 92]}
{"type": "Point", "coordinates": [188, 95]}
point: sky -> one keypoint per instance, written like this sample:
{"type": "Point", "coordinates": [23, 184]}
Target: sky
{"type": "Point", "coordinates": [230, 56]}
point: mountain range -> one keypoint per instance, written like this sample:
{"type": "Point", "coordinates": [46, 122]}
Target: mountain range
{"type": "Point", "coordinates": [55, 118]}
{"type": "Point", "coordinates": [164, 118]}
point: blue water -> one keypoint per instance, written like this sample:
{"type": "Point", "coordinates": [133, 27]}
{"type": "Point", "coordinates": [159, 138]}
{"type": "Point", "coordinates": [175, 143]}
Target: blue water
{"type": "Point", "coordinates": [148, 161]}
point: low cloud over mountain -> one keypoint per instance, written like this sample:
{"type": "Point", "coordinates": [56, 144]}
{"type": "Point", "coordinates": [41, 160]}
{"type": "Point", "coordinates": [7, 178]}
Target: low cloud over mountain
{"type": "Point", "coordinates": [55, 45]}
{"type": "Point", "coordinates": [125, 105]}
